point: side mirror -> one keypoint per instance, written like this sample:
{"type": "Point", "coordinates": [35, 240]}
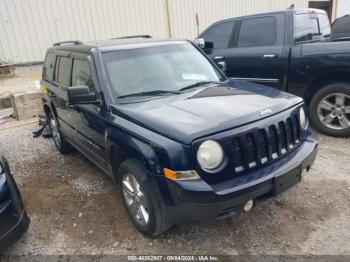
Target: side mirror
{"type": "Point", "coordinates": [208, 45]}
{"type": "Point", "coordinates": [222, 65]}
{"type": "Point", "coordinates": [199, 42]}
{"type": "Point", "coordinates": [220, 62]}
{"type": "Point", "coordinates": [80, 95]}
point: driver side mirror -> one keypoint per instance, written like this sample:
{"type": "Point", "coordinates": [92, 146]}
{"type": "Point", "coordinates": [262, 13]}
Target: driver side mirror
{"type": "Point", "coordinates": [81, 95]}
{"type": "Point", "coordinates": [200, 42]}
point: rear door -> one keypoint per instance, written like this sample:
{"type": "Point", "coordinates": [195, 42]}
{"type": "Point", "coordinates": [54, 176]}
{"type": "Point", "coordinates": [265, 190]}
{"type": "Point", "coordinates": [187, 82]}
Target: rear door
{"type": "Point", "coordinates": [58, 92]}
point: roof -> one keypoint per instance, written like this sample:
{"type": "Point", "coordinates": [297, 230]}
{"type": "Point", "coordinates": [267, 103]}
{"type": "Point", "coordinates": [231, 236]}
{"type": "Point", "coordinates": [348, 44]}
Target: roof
{"type": "Point", "coordinates": [310, 10]}
{"type": "Point", "coordinates": [115, 44]}
{"type": "Point", "coordinates": [288, 10]}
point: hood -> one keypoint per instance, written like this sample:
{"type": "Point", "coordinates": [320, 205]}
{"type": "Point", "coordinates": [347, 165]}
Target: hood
{"type": "Point", "coordinates": [204, 111]}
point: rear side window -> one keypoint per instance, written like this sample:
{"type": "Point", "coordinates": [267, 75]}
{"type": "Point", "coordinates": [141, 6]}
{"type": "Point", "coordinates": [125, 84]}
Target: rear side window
{"type": "Point", "coordinates": [219, 35]}
{"type": "Point", "coordinates": [260, 31]}
{"type": "Point", "coordinates": [82, 74]}
{"type": "Point", "coordinates": [49, 67]}
{"type": "Point", "coordinates": [64, 71]}
{"type": "Point", "coordinates": [311, 27]}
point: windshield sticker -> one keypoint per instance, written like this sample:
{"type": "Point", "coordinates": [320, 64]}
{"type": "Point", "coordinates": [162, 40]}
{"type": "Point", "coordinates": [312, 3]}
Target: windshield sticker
{"type": "Point", "coordinates": [195, 77]}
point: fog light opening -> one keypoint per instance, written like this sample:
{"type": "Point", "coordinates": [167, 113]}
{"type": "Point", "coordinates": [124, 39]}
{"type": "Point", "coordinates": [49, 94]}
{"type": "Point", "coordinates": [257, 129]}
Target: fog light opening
{"type": "Point", "coordinates": [249, 205]}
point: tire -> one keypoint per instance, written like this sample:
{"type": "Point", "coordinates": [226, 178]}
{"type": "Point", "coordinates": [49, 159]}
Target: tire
{"type": "Point", "coordinates": [60, 142]}
{"type": "Point", "coordinates": [326, 112]}
{"type": "Point", "coordinates": [159, 219]}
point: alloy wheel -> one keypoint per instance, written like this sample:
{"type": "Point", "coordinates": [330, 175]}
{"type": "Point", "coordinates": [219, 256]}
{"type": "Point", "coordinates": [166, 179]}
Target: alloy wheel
{"type": "Point", "coordinates": [55, 133]}
{"type": "Point", "coordinates": [135, 199]}
{"type": "Point", "coordinates": [334, 111]}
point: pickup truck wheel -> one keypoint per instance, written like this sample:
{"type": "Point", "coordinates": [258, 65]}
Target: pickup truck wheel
{"type": "Point", "coordinates": [330, 110]}
{"type": "Point", "coordinates": [146, 212]}
{"type": "Point", "coordinates": [60, 142]}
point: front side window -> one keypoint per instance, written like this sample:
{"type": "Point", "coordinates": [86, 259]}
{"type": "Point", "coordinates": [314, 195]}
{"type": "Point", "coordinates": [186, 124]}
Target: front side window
{"type": "Point", "coordinates": [64, 71]}
{"type": "Point", "coordinates": [260, 31]}
{"type": "Point", "coordinates": [219, 35]}
{"type": "Point", "coordinates": [311, 27]}
{"type": "Point", "coordinates": [81, 75]}
{"type": "Point", "coordinates": [165, 68]}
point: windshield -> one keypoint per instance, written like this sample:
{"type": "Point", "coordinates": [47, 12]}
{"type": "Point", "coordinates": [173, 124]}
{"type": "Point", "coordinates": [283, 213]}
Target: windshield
{"type": "Point", "coordinates": [311, 27]}
{"type": "Point", "coordinates": [156, 70]}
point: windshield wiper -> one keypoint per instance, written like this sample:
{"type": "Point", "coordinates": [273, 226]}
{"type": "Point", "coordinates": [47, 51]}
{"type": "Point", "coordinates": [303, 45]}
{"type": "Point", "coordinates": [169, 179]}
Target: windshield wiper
{"type": "Point", "coordinates": [197, 84]}
{"type": "Point", "coordinates": [150, 93]}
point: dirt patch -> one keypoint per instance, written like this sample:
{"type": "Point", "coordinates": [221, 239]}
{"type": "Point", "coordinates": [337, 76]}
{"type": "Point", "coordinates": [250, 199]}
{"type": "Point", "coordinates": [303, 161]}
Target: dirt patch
{"type": "Point", "coordinates": [76, 209]}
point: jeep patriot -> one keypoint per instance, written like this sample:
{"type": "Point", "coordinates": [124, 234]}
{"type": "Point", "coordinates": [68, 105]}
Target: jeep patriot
{"type": "Point", "coordinates": [184, 142]}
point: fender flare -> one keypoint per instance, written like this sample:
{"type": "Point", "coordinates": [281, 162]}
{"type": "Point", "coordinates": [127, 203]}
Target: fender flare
{"type": "Point", "coordinates": [51, 108]}
{"type": "Point", "coordinates": [131, 146]}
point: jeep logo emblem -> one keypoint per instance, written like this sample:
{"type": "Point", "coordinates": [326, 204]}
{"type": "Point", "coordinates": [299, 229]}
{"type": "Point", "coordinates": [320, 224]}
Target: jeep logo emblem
{"type": "Point", "coordinates": [265, 112]}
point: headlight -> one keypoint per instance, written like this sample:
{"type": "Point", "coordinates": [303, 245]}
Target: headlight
{"type": "Point", "coordinates": [210, 155]}
{"type": "Point", "coordinates": [302, 118]}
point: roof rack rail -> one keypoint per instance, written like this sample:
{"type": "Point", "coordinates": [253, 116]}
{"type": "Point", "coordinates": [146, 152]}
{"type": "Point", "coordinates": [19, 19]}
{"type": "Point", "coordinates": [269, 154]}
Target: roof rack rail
{"type": "Point", "coordinates": [132, 36]}
{"type": "Point", "coordinates": [74, 42]}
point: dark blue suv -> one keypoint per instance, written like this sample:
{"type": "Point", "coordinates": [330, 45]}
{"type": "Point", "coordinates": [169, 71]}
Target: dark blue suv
{"type": "Point", "coordinates": [184, 142]}
{"type": "Point", "coordinates": [14, 220]}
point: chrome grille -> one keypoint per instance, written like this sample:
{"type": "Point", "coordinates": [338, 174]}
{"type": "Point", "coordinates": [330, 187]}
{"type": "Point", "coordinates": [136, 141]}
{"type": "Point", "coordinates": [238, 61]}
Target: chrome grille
{"type": "Point", "coordinates": [264, 145]}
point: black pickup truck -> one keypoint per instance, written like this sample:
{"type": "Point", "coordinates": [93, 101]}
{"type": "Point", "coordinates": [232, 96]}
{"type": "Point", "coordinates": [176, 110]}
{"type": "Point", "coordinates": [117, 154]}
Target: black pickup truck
{"type": "Point", "coordinates": [291, 50]}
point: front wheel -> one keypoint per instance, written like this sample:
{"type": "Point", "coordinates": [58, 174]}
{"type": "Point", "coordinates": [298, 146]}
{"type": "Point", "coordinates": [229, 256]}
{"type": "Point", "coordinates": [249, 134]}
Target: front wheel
{"type": "Point", "coordinates": [146, 211]}
{"type": "Point", "coordinates": [330, 110]}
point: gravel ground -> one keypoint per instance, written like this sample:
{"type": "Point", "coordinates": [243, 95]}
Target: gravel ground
{"type": "Point", "coordinates": [76, 209]}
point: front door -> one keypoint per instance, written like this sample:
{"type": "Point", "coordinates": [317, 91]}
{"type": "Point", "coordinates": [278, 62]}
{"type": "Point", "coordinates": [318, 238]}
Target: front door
{"type": "Point", "coordinates": [258, 52]}
{"type": "Point", "coordinates": [87, 119]}
{"type": "Point", "coordinates": [252, 49]}
{"type": "Point", "coordinates": [82, 124]}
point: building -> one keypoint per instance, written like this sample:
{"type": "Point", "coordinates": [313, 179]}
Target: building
{"type": "Point", "coordinates": [334, 8]}
{"type": "Point", "coordinates": [29, 27]}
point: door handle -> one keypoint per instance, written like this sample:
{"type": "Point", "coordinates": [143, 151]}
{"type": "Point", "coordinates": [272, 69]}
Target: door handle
{"type": "Point", "coordinates": [70, 106]}
{"type": "Point", "coordinates": [270, 56]}
{"type": "Point", "coordinates": [218, 57]}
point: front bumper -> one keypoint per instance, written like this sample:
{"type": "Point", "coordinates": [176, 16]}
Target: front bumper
{"type": "Point", "coordinates": [197, 201]}
{"type": "Point", "coordinates": [14, 220]}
